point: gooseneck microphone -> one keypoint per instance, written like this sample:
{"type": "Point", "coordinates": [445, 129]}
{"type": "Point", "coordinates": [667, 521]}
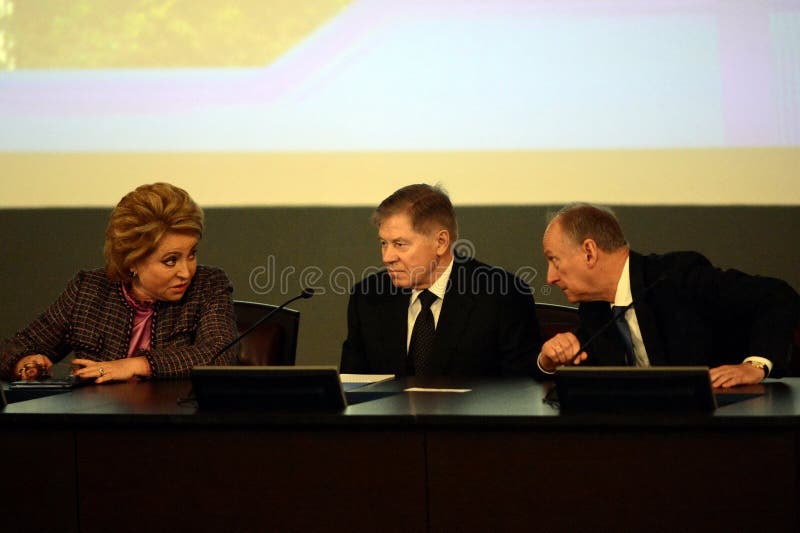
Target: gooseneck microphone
{"type": "Point", "coordinates": [305, 294]}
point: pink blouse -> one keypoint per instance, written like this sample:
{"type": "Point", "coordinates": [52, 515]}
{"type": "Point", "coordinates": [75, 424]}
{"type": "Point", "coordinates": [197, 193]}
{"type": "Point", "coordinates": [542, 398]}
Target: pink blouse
{"type": "Point", "coordinates": [142, 324]}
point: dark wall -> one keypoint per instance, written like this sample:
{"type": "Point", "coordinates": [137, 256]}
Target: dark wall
{"type": "Point", "coordinates": [270, 253]}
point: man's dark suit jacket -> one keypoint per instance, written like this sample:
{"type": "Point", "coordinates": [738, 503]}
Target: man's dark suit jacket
{"type": "Point", "coordinates": [487, 325]}
{"type": "Point", "coordinates": [695, 314]}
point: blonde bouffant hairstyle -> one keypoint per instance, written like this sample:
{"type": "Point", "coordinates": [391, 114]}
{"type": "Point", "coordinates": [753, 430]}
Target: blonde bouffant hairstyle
{"type": "Point", "coordinates": [141, 219]}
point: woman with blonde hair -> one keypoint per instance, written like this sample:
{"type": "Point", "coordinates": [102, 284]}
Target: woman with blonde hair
{"type": "Point", "coordinates": [152, 312]}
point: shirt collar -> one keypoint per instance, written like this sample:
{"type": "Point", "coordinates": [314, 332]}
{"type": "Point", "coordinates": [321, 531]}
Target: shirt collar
{"type": "Point", "coordinates": [439, 286]}
{"type": "Point", "coordinates": [624, 295]}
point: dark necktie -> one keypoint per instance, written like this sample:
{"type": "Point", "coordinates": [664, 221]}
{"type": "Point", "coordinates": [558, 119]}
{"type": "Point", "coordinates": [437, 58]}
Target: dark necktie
{"type": "Point", "coordinates": [423, 334]}
{"type": "Point", "coordinates": [625, 333]}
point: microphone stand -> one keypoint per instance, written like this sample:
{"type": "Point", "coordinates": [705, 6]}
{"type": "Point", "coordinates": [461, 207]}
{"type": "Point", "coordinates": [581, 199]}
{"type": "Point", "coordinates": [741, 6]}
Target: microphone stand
{"type": "Point", "coordinates": [305, 294]}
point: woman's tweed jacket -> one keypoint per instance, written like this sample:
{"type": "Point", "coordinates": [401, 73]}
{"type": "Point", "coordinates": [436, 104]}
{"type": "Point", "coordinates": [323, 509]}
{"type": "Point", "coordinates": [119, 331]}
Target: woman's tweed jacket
{"type": "Point", "coordinates": [92, 319]}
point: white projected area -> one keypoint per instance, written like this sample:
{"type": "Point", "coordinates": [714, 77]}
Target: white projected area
{"type": "Point", "coordinates": [419, 77]}
{"type": "Point", "coordinates": [449, 76]}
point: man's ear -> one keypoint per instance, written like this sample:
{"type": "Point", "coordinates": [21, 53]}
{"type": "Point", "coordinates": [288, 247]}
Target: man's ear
{"type": "Point", "coordinates": [442, 239]}
{"type": "Point", "coordinates": [589, 252]}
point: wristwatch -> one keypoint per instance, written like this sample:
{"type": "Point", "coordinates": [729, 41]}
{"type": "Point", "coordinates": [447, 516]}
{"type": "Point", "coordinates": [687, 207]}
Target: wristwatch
{"type": "Point", "coordinates": [760, 365]}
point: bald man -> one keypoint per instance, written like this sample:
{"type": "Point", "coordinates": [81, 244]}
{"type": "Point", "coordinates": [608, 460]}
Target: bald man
{"type": "Point", "coordinates": [673, 309]}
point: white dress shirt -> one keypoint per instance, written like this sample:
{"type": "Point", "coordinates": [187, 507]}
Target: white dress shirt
{"type": "Point", "coordinates": [622, 298]}
{"type": "Point", "coordinates": [414, 306]}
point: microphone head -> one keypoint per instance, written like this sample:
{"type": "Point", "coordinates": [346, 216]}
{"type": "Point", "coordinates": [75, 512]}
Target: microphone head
{"type": "Point", "coordinates": [308, 292]}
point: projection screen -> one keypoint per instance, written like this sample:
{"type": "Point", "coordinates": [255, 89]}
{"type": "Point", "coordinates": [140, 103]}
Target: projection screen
{"type": "Point", "coordinates": [336, 102]}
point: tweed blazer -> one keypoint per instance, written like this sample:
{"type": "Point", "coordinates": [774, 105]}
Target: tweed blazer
{"type": "Point", "coordinates": [92, 319]}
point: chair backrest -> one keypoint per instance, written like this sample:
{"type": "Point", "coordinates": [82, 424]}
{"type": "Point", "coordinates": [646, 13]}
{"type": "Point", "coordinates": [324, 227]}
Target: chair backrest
{"type": "Point", "coordinates": [274, 341]}
{"type": "Point", "coordinates": [556, 319]}
{"type": "Point", "coordinates": [794, 353]}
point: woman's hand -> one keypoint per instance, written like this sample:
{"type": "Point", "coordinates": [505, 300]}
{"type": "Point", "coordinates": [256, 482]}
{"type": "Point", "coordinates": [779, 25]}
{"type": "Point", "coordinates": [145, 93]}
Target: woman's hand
{"type": "Point", "coordinates": [33, 367]}
{"type": "Point", "coordinates": [117, 370]}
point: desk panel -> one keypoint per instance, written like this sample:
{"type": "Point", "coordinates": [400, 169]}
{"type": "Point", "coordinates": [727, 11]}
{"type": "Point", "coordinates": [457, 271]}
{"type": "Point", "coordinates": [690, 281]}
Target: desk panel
{"type": "Point", "coordinates": [206, 480]}
{"type": "Point", "coordinates": [622, 481]}
{"type": "Point", "coordinates": [131, 457]}
{"type": "Point", "coordinates": [37, 488]}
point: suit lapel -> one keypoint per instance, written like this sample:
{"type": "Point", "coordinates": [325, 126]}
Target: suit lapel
{"type": "Point", "coordinates": [453, 319]}
{"type": "Point", "coordinates": [394, 330]}
{"type": "Point", "coordinates": [644, 312]}
{"type": "Point", "coordinates": [607, 349]}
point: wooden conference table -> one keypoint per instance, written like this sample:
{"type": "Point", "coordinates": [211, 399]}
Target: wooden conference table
{"type": "Point", "coordinates": [129, 457]}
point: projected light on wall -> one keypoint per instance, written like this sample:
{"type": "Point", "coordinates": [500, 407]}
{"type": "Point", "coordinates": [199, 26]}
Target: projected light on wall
{"type": "Point", "coordinates": [618, 101]}
{"type": "Point", "coordinates": [391, 75]}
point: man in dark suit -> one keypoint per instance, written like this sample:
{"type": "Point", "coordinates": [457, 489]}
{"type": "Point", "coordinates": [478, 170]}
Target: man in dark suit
{"type": "Point", "coordinates": [431, 312]}
{"type": "Point", "coordinates": [684, 311]}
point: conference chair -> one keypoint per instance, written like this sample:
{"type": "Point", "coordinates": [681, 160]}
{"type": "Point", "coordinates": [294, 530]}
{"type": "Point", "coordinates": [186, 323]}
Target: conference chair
{"type": "Point", "coordinates": [794, 354]}
{"type": "Point", "coordinates": [556, 319]}
{"type": "Point", "coordinates": [274, 341]}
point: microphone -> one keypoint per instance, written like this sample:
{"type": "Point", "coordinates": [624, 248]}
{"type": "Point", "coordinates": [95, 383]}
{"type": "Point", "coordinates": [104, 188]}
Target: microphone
{"type": "Point", "coordinates": [585, 345]}
{"type": "Point", "coordinates": [304, 294]}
